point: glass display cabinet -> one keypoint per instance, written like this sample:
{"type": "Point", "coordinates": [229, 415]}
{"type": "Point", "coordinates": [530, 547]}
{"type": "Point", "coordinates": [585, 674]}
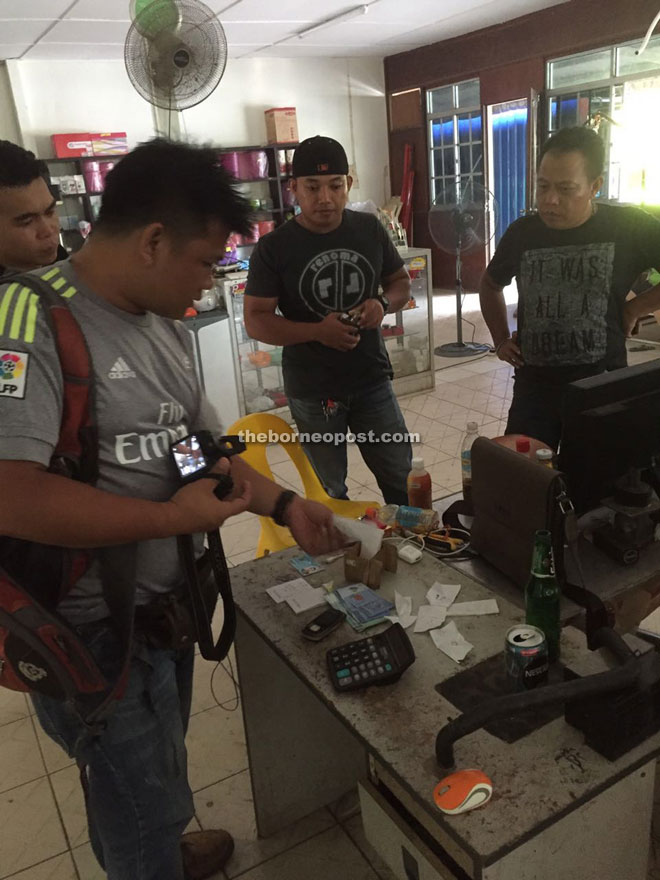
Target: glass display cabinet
{"type": "Point", "coordinates": [408, 336]}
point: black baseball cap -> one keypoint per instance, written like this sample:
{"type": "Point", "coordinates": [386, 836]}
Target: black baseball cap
{"type": "Point", "coordinates": [319, 155]}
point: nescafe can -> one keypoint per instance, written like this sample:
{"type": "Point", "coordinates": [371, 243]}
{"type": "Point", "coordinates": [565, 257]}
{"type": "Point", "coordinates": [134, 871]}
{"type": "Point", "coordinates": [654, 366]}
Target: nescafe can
{"type": "Point", "coordinates": [526, 657]}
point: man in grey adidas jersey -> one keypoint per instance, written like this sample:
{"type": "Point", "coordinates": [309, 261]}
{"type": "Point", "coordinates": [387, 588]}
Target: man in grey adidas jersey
{"type": "Point", "coordinates": [166, 213]}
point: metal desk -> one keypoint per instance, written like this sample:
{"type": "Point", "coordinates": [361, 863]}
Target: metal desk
{"type": "Point", "coordinates": [559, 809]}
{"type": "Point", "coordinates": [630, 592]}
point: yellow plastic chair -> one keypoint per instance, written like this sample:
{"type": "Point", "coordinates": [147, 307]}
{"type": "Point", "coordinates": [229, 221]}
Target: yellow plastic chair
{"type": "Point", "coordinates": [274, 537]}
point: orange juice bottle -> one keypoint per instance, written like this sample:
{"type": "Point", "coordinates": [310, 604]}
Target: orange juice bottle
{"type": "Point", "coordinates": [420, 493]}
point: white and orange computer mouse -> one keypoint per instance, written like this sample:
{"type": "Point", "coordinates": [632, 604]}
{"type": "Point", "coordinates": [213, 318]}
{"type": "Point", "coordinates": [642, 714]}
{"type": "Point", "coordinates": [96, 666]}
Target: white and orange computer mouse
{"type": "Point", "coordinates": [462, 791]}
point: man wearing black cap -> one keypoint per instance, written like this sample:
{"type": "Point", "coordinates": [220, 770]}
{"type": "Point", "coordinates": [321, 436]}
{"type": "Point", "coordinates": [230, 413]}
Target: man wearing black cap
{"type": "Point", "coordinates": [326, 262]}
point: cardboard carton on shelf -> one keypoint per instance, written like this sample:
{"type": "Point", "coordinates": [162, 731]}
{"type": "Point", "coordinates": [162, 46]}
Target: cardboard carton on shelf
{"type": "Point", "coordinates": [281, 125]}
{"type": "Point", "coordinates": [75, 145]}
{"type": "Point", "coordinates": [109, 143]}
{"type": "Point", "coordinates": [72, 145]}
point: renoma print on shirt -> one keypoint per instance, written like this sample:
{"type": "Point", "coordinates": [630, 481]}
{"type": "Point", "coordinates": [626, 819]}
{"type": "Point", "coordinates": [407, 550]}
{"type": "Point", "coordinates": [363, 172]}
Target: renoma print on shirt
{"type": "Point", "coordinates": [564, 293]}
{"type": "Point", "coordinates": [336, 281]}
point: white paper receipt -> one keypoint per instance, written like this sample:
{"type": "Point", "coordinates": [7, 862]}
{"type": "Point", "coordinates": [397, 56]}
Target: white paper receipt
{"type": "Point", "coordinates": [281, 592]}
{"type": "Point", "coordinates": [308, 599]}
{"type": "Point", "coordinates": [469, 609]}
{"type": "Point", "coordinates": [430, 617]}
{"type": "Point", "coordinates": [451, 642]}
{"type": "Point", "coordinates": [404, 614]}
{"type": "Point", "coordinates": [443, 594]}
{"type": "Point", "coordinates": [298, 595]}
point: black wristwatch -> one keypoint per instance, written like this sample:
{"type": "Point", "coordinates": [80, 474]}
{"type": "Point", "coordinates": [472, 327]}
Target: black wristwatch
{"type": "Point", "coordinates": [384, 301]}
{"type": "Point", "coordinates": [285, 498]}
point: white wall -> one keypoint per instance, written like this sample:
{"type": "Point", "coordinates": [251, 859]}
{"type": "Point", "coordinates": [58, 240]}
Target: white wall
{"type": "Point", "coordinates": [72, 96]}
{"type": "Point", "coordinates": [340, 98]}
{"type": "Point", "coordinates": [9, 130]}
{"type": "Point", "coordinates": [331, 96]}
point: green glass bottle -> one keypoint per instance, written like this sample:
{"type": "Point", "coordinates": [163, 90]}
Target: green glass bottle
{"type": "Point", "coordinates": [542, 594]}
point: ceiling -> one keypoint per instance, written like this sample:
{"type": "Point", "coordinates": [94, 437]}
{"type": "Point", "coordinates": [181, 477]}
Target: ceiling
{"type": "Point", "coordinates": [73, 30]}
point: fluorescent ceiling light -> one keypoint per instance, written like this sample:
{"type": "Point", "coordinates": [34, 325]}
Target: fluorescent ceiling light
{"type": "Point", "coordinates": [336, 19]}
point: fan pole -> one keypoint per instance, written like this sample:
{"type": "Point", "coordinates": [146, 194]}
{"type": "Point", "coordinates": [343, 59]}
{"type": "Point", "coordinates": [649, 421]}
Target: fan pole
{"type": "Point", "coordinates": [459, 348]}
{"type": "Point", "coordinates": [459, 300]}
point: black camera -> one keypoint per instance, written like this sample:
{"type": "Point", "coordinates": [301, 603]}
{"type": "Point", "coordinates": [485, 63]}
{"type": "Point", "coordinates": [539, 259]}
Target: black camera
{"type": "Point", "coordinates": [195, 455]}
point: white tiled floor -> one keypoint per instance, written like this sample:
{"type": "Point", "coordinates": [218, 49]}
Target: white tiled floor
{"type": "Point", "coordinates": [43, 835]}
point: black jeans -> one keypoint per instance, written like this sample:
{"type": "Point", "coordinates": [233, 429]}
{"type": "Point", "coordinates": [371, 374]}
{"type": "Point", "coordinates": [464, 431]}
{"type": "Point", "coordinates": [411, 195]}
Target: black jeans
{"type": "Point", "coordinates": [536, 410]}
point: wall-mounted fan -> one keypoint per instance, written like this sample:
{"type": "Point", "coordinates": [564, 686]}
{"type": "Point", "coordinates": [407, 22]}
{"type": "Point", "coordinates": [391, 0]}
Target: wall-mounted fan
{"type": "Point", "coordinates": [175, 52]}
{"type": "Point", "coordinates": [461, 220]}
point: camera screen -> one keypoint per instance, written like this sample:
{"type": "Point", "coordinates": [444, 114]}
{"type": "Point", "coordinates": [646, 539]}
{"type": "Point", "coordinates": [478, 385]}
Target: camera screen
{"type": "Point", "coordinates": [188, 456]}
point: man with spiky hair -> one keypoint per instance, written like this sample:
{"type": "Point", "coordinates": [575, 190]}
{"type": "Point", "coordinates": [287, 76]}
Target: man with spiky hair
{"type": "Point", "coordinates": [166, 213]}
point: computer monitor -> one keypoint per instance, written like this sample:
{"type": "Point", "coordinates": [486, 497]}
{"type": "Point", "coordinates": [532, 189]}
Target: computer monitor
{"type": "Point", "coordinates": [611, 423]}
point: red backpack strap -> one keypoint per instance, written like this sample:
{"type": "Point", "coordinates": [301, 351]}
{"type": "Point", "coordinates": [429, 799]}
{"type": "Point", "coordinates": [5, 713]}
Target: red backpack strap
{"type": "Point", "coordinates": [40, 628]}
{"type": "Point", "coordinates": [76, 452]}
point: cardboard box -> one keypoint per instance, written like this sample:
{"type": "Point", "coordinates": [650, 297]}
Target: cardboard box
{"type": "Point", "coordinates": [72, 145]}
{"type": "Point", "coordinates": [281, 125]}
{"type": "Point", "coordinates": [109, 143]}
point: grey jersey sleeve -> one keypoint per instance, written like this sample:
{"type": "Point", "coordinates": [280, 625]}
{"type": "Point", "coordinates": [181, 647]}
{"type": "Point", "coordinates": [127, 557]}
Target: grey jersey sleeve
{"type": "Point", "coordinates": [30, 379]}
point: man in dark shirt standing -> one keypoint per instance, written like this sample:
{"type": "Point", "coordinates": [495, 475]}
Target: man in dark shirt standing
{"type": "Point", "coordinates": [575, 262]}
{"type": "Point", "coordinates": [325, 262]}
{"type": "Point", "coordinates": [29, 225]}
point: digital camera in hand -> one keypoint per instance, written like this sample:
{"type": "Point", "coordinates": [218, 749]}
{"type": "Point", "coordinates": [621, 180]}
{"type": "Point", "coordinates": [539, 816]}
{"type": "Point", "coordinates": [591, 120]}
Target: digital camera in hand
{"type": "Point", "coordinates": [196, 454]}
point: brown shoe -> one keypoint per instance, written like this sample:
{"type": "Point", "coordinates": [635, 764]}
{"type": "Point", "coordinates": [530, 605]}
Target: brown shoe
{"type": "Point", "coordinates": [205, 853]}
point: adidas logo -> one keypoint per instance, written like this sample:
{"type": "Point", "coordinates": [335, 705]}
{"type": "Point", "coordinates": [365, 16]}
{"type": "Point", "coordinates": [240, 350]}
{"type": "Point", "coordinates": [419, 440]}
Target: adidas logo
{"type": "Point", "coordinates": [121, 370]}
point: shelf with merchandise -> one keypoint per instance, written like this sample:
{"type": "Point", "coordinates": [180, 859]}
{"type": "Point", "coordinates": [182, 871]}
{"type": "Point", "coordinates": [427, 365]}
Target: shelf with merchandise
{"type": "Point", "coordinates": [261, 398]}
{"type": "Point", "coordinates": [77, 183]}
{"type": "Point", "coordinates": [262, 174]}
{"type": "Point", "coordinates": [262, 359]}
{"type": "Point", "coordinates": [410, 345]}
{"type": "Point", "coordinates": [411, 356]}
{"type": "Point", "coordinates": [405, 335]}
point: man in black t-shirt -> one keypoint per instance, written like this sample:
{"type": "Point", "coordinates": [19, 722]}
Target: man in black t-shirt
{"type": "Point", "coordinates": [29, 225]}
{"type": "Point", "coordinates": [323, 263]}
{"type": "Point", "coordinates": [575, 262]}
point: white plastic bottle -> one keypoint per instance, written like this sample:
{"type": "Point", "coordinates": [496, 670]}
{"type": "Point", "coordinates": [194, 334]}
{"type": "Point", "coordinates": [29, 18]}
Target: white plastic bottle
{"type": "Point", "coordinates": [466, 458]}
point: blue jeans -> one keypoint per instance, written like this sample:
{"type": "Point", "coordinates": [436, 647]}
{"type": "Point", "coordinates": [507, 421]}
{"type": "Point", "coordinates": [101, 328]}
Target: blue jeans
{"type": "Point", "coordinates": [369, 415]}
{"type": "Point", "coordinates": [139, 801]}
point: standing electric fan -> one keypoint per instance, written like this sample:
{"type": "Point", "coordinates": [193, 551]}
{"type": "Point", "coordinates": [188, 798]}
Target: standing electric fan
{"type": "Point", "coordinates": [461, 221]}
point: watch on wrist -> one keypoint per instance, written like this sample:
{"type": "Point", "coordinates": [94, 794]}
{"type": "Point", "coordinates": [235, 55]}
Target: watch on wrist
{"type": "Point", "coordinates": [384, 301]}
{"type": "Point", "coordinates": [285, 498]}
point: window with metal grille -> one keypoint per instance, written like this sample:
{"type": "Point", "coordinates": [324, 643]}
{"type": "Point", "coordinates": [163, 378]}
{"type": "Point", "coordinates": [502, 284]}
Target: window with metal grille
{"type": "Point", "coordinates": [616, 92]}
{"type": "Point", "coordinates": [455, 136]}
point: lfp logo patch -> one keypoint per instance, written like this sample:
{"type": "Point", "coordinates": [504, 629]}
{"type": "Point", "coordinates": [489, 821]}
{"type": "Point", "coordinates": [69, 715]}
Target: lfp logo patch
{"type": "Point", "coordinates": [13, 373]}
